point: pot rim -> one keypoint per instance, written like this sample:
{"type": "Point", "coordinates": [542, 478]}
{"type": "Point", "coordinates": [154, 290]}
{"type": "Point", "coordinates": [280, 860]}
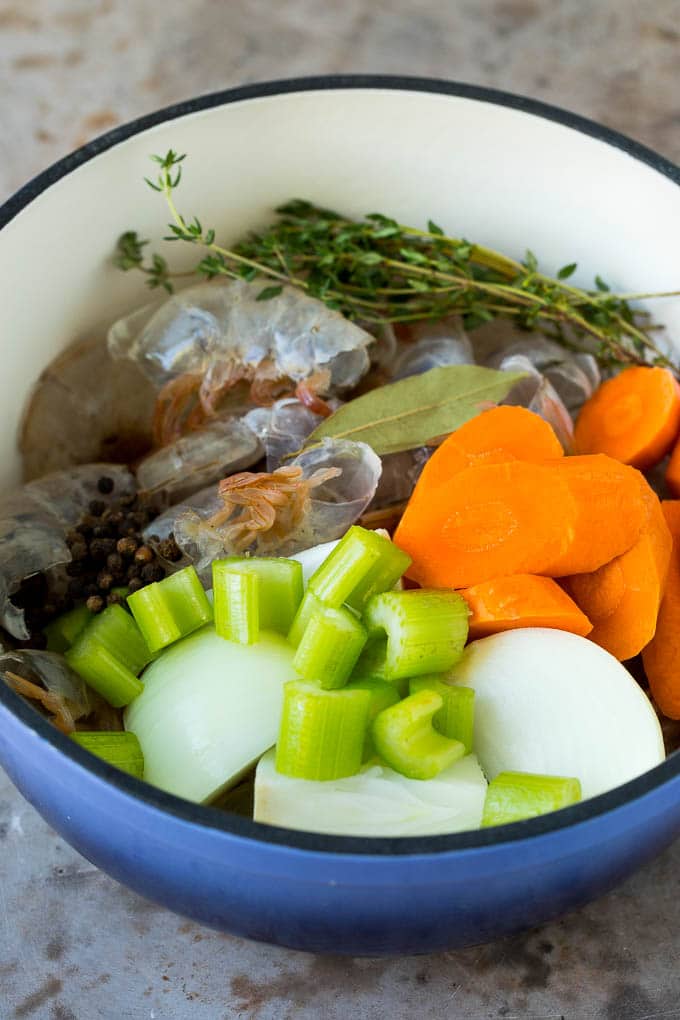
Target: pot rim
{"type": "Point", "coordinates": [236, 825]}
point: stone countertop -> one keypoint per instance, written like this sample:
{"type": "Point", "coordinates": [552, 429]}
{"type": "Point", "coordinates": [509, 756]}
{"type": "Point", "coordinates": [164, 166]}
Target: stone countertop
{"type": "Point", "coordinates": [73, 944]}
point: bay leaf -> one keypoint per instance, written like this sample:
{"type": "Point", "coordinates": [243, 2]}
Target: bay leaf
{"type": "Point", "coordinates": [410, 413]}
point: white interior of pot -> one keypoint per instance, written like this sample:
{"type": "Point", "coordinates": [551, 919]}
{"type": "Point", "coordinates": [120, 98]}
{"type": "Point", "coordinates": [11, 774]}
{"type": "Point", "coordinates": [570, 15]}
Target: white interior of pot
{"type": "Point", "coordinates": [492, 174]}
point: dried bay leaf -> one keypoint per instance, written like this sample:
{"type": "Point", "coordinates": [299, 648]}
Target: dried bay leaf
{"type": "Point", "coordinates": [409, 413]}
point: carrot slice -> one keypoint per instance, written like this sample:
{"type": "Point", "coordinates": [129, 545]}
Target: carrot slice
{"type": "Point", "coordinates": [634, 417]}
{"type": "Point", "coordinates": [493, 437]}
{"type": "Point", "coordinates": [622, 598]}
{"type": "Point", "coordinates": [522, 600]}
{"type": "Point", "coordinates": [560, 517]}
{"type": "Point", "coordinates": [661, 657]}
{"type": "Point", "coordinates": [673, 472]}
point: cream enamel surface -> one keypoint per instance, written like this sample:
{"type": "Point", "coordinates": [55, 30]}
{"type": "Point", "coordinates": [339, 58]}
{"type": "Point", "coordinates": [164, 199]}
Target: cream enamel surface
{"type": "Point", "coordinates": [494, 174]}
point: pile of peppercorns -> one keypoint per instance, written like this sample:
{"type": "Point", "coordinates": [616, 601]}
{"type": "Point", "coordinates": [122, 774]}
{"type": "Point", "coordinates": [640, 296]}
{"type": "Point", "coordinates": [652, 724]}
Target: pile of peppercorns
{"type": "Point", "coordinates": [107, 552]}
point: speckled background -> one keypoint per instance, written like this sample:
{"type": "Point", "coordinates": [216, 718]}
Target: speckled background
{"type": "Point", "coordinates": [73, 944]}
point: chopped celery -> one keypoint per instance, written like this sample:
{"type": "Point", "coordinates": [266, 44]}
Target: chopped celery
{"type": "Point", "coordinates": [280, 589]}
{"type": "Point", "coordinates": [170, 609]}
{"type": "Point", "coordinates": [310, 604]}
{"type": "Point", "coordinates": [329, 647]}
{"type": "Point", "coordinates": [426, 630]}
{"type": "Point", "coordinates": [120, 749]}
{"type": "Point", "coordinates": [322, 732]}
{"type": "Point", "coordinates": [383, 694]}
{"type": "Point", "coordinates": [362, 564]}
{"type": "Point", "coordinates": [236, 604]}
{"type": "Point", "coordinates": [455, 719]}
{"type": "Point", "coordinates": [62, 632]}
{"type": "Point", "coordinates": [109, 654]}
{"type": "Point", "coordinates": [406, 740]}
{"type": "Point", "coordinates": [513, 796]}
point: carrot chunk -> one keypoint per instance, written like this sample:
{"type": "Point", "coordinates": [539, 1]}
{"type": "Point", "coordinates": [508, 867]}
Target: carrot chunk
{"type": "Point", "coordinates": [634, 417]}
{"type": "Point", "coordinates": [560, 517]}
{"type": "Point", "coordinates": [673, 472]}
{"type": "Point", "coordinates": [493, 437]}
{"type": "Point", "coordinates": [622, 598]}
{"type": "Point", "coordinates": [522, 600]}
{"type": "Point", "coordinates": [661, 657]}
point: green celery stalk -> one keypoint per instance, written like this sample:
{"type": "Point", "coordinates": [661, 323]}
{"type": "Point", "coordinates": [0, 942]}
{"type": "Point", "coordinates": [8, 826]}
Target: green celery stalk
{"type": "Point", "coordinates": [280, 589]}
{"type": "Point", "coordinates": [426, 630]}
{"type": "Point", "coordinates": [168, 610]}
{"type": "Point", "coordinates": [322, 732]}
{"type": "Point", "coordinates": [120, 749]}
{"type": "Point", "coordinates": [383, 694]}
{"type": "Point", "coordinates": [310, 604]}
{"type": "Point", "coordinates": [62, 632]}
{"type": "Point", "coordinates": [514, 796]}
{"type": "Point", "coordinates": [109, 654]}
{"type": "Point", "coordinates": [329, 647]}
{"type": "Point", "coordinates": [236, 603]}
{"type": "Point", "coordinates": [455, 719]}
{"type": "Point", "coordinates": [362, 564]}
{"type": "Point", "coordinates": [406, 740]}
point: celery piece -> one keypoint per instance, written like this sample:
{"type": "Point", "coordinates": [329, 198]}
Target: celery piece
{"type": "Point", "coordinates": [514, 796]}
{"type": "Point", "coordinates": [322, 732]}
{"type": "Point", "coordinates": [281, 587]}
{"type": "Point", "coordinates": [310, 604]}
{"type": "Point", "coordinates": [236, 602]}
{"type": "Point", "coordinates": [329, 647]}
{"type": "Point", "coordinates": [109, 654]}
{"type": "Point", "coordinates": [426, 630]}
{"type": "Point", "coordinates": [455, 719]}
{"type": "Point", "coordinates": [345, 568]}
{"type": "Point", "coordinates": [152, 616]}
{"type": "Point", "coordinates": [383, 694]}
{"type": "Point", "coordinates": [62, 632]}
{"type": "Point", "coordinates": [362, 564]}
{"type": "Point", "coordinates": [406, 740]}
{"type": "Point", "coordinates": [168, 610]}
{"type": "Point", "coordinates": [120, 749]}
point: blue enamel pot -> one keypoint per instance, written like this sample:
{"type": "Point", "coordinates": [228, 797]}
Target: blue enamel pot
{"type": "Point", "coordinates": [505, 170]}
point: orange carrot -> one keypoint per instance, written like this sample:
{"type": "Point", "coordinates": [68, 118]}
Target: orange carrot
{"type": "Point", "coordinates": [493, 437]}
{"type": "Point", "coordinates": [622, 598]}
{"type": "Point", "coordinates": [661, 657]}
{"type": "Point", "coordinates": [634, 417]}
{"type": "Point", "coordinates": [673, 472]}
{"type": "Point", "coordinates": [560, 517]}
{"type": "Point", "coordinates": [522, 600]}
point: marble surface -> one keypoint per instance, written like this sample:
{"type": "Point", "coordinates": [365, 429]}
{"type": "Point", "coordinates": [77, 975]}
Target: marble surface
{"type": "Point", "coordinates": [73, 944]}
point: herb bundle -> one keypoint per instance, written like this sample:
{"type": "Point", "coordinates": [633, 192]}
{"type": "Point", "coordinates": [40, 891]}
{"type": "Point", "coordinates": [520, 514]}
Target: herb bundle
{"type": "Point", "coordinates": [378, 270]}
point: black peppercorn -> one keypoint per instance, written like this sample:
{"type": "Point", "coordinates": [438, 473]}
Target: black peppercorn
{"type": "Point", "coordinates": [134, 584]}
{"type": "Point", "coordinates": [104, 580]}
{"type": "Point", "coordinates": [105, 485]}
{"type": "Point", "coordinates": [152, 572]}
{"type": "Point", "coordinates": [97, 507]}
{"type": "Point", "coordinates": [100, 548]}
{"type": "Point", "coordinates": [143, 554]}
{"type": "Point", "coordinates": [126, 546]}
{"type": "Point", "coordinates": [95, 603]}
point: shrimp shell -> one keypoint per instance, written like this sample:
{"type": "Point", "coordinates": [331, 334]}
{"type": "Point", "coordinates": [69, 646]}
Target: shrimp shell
{"type": "Point", "coordinates": [221, 330]}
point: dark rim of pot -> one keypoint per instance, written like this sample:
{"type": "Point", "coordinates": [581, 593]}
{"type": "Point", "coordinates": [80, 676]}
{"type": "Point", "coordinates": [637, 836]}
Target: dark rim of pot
{"type": "Point", "coordinates": [212, 818]}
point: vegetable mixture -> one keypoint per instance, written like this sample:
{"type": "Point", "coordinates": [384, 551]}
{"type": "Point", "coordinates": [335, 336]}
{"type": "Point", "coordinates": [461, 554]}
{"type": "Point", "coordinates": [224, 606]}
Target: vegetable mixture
{"type": "Point", "coordinates": [367, 531]}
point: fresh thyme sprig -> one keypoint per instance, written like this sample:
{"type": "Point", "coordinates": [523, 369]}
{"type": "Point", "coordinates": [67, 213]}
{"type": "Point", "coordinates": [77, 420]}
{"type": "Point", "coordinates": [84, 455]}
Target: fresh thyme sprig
{"type": "Point", "coordinates": [378, 270]}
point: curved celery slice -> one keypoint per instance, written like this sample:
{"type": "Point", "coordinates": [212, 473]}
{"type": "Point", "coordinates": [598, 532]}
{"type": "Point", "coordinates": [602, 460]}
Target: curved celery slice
{"type": "Point", "coordinates": [362, 564]}
{"type": "Point", "coordinates": [406, 740]}
{"type": "Point", "coordinates": [109, 654]}
{"type": "Point", "coordinates": [426, 630]}
{"type": "Point", "coordinates": [120, 749]}
{"type": "Point", "coordinates": [455, 719]}
{"type": "Point", "coordinates": [310, 604]}
{"type": "Point", "coordinates": [322, 732]}
{"type": "Point", "coordinates": [383, 694]}
{"type": "Point", "coordinates": [514, 796]}
{"type": "Point", "coordinates": [280, 587]}
{"type": "Point", "coordinates": [330, 646]}
{"type": "Point", "coordinates": [168, 610]}
{"type": "Point", "coordinates": [236, 603]}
